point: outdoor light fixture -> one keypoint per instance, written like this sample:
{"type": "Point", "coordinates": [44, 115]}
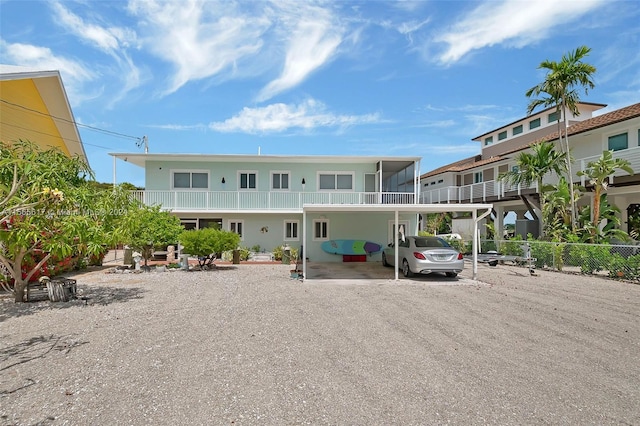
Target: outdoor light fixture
{"type": "Point", "coordinates": [303, 182]}
{"type": "Point", "coordinates": [223, 181]}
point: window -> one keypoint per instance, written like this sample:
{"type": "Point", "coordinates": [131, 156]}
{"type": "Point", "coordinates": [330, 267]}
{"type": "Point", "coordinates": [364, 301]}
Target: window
{"type": "Point", "coordinates": [488, 141]}
{"type": "Point", "coordinates": [280, 180]}
{"type": "Point", "coordinates": [210, 223]}
{"type": "Point", "coordinates": [191, 180]}
{"type": "Point", "coordinates": [248, 180]}
{"type": "Point", "coordinates": [440, 180]}
{"type": "Point", "coordinates": [618, 142]}
{"type": "Point", "coordinates": [339, 181]}
{"type": "Point", "coordinates": [291, 230]}
{"type": "Point", "coordinates": [189, 224]}
{"type": "Point", "coordinates": [477, 177]}
{"type": "Point", "coordinates": [320, 229]}
{"type": "Point", "coordinates": [502, 135]}
{"type": "Point", "coordinates": [553, 117]}
{"type": "Point", "coordinates": [517, 130]}
{"type": "Point", "coordinates": [237, 227]}
{"type": "Point", "coordinates": [534, 123]}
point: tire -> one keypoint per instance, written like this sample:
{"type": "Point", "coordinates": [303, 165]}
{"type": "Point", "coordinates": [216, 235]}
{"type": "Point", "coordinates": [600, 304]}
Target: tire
{"type": "Point", "coordinates": [384, 260]}
{"type": "Point", "coordinates": [406, 271]}
{"type": "Point", "coordinates": [451, 274]}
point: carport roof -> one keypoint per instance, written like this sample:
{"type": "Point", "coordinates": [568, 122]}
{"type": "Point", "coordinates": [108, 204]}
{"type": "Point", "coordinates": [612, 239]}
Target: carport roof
{"type": "Point", "coordinates": [404, 208]}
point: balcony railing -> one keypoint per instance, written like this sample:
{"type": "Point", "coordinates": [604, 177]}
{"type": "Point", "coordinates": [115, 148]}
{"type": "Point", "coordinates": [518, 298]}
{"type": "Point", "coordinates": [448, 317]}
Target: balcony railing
{"type": "Point", "coordinates": [632, 155]}
{"type": "Point", "coordinates": [496, 190]}
{"type": "Point", "coordinates": [477, 192]}
{"type": "Point", "coordinates": [263, 200]}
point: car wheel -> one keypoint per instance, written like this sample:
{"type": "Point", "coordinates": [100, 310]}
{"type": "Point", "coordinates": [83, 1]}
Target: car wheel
{"type": "Point", "coordinates": [384, 260]}
{"type": "Point", "coordinates": [451, 274]}
{"type": "Point", "coordinates": [406, 271]}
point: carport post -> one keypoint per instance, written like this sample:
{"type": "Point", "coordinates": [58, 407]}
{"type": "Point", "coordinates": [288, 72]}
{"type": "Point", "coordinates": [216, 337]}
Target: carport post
{"type": "Point", "coordinates": [395, 244]}
{"type": "Point", "coordinates": [476, 240]}
{"type": "Point", "coordinates": [304, 244]}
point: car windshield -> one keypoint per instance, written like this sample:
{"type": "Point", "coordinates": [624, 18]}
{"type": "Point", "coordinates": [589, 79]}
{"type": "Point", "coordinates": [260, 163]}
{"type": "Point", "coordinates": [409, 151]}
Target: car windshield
{"type": "Point", "coordinates": [431, 242]}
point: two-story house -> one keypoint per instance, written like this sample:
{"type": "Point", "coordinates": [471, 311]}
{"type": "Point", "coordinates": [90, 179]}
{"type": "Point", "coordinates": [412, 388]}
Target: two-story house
{"type": "Point", "coordinates": [475, 179]}
{"type": "Point", "coordinates": [261, 197]}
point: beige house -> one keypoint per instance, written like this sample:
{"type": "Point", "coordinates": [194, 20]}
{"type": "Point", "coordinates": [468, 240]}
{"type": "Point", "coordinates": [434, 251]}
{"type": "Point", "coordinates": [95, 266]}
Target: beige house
{"type": "Point", "coordinates": [475, 179]}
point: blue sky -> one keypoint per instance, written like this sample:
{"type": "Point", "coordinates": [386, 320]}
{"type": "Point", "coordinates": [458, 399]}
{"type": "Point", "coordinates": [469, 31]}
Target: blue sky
{"type": "Point", "coordinates": [330, 78]}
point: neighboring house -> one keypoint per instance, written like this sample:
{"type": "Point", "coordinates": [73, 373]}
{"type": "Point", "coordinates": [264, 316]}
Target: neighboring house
{"type": "Point", "coordinates": [34, 107]}
{"type": "Point", "coordinates": [261, 197]}
{"type": "Point", "coordinates": [475, 179]}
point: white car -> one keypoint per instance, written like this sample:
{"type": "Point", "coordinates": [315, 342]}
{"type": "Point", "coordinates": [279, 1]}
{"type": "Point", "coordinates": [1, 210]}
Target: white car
{"type": "Point", "coordinates": [424, 255]}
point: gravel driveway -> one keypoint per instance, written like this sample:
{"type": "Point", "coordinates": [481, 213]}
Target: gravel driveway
{"type": "Point", "coordinates": [248, 345]}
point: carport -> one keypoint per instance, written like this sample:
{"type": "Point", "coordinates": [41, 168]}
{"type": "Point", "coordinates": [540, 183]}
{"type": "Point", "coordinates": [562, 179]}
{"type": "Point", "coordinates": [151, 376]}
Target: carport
{"type": "Point", "coordinates": [478, 212]}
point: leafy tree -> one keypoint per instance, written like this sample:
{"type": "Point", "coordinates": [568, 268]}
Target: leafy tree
{"type": "Point", "coordinates": [599, 172]}
{"type": "Point", "coordinates": [146, 229]}
{"type": "Point", "coordinates": [560, 89]}
{"type": "Point", "coordinates": [557, 214]}
{"type": "Point", "coordinates": [40, 217]}
{"type": "Point", "coordinates": [534, 166]}
{"type": "Point", "coordinates": [591, 232]}
{"type": "Point", "coordinates": [207, 243]}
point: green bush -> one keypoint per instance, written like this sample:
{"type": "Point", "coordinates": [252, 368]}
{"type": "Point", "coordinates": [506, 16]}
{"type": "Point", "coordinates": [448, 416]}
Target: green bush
{"type": "Point", "coordinates": [590, 258]}
{"type": "Point", "coordinates": [279, 250]}
{"type": "Point", "coordinates": [628, 268]}
{"type": "Point", "coordinates": [512, 247]}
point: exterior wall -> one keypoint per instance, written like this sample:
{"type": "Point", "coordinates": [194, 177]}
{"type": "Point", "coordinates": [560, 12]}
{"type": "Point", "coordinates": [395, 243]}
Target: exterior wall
{"type": "Point", "coordinates": [438, 181]}
{"type": "Point", "coordinates": [267, 230]}
{"type": "Point", "coordinates": [496, 149]}
{"type": "Point", "coordinates": [358, 226]}
{"type": "Point", "coordinates": [158, 174]}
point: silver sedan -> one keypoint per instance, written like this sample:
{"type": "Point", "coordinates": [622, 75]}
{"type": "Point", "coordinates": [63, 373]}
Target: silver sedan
{"type": "Point", "coordinates": [424, 255]}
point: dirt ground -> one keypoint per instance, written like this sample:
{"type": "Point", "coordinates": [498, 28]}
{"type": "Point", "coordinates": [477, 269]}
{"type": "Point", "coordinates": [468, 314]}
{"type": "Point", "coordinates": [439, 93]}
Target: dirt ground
{"type": "Point", "coordinates": [246, 344]}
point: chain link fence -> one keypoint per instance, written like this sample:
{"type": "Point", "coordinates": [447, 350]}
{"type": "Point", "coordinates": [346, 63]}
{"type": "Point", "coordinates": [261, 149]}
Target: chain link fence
{"type": "Point", "coordinates": [613, 260]}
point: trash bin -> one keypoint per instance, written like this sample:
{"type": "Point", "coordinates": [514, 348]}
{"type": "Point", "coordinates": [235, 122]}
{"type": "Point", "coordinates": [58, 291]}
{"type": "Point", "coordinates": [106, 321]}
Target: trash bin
{"type": "Point", "coordinates": [128, 256]}
{"type": "Point", "coordinates": [286, 255]}
{"type": "Point", "coordinates": [236, 257]}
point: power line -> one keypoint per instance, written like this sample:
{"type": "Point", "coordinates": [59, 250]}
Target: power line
{"type": "Point", "coordinates": [53, 136]}
{"type": "Point", "coordinates": [96, 129]}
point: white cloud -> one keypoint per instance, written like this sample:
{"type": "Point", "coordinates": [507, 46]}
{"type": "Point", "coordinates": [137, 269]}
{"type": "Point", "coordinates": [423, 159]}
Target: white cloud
{"type": "Point", "coordinates": [281, 117]}
{"type": "Point", "coordinates": [113, 41]}
{"type": "Point", "coordinates": [109, 39]}
{"type": "Point", "coordinates": [313, 37]}
{"type": "Point", "coordinates": [512, 22]}
{"type": "Point", "coordinates": [199, 38]}
{"type": "Point", "coordinates": [74, 74]}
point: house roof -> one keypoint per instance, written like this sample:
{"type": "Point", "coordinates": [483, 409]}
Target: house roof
{"type": "Point", "coordinates": [141, 159]}
{"type": "Point", "coordinates": [607, 119]}
{"type": "Point", "coordinates": [35, 107]}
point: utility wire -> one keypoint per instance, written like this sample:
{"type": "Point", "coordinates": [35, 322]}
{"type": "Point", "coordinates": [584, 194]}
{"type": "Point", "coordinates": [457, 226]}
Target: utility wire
{"type": "Point", "coordinates": [96, 129]}
{"type": "Point", "coordinates": [53, 136]}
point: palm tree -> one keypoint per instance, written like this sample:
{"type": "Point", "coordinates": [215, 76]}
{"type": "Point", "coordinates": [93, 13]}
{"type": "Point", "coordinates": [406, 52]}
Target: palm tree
{"type": "Point", "coordinates": [560, 89]}
{"type": "Point", "coordinates": [598, 173]}
{"type": "Point", "coordinates": [534, 166]}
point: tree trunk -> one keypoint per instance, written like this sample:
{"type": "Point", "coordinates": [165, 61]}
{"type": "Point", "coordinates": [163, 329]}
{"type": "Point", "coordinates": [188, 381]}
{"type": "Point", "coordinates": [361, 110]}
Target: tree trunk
{"type": "Point", "coordinates": [574, 214]}
{"type": "Point", "coordinates": [596, 207]}
{"type": "Point", "coordinates": [19, 287]}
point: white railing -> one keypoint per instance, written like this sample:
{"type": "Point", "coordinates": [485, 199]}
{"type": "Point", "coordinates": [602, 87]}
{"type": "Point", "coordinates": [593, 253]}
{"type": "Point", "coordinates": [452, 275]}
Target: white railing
{"type": "Point", "coordinates": [632, 155]}
{"type": "Point", "coordinates": [477, 192]}
{"type": "Point", "coordinates": [496, 190]}
{"type": "Point", "coordinates": [262, 200]}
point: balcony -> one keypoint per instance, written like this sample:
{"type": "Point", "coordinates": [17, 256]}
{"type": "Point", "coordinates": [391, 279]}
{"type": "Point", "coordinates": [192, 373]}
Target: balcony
{"type": "Point", "coordinates": [483, 192]}
{"type": "Point", "coordinates": [494, 190]}
{"type": "Point", "coordinates": [632, 155]}
{"type": "Point", "coordinates": [235, 201]}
